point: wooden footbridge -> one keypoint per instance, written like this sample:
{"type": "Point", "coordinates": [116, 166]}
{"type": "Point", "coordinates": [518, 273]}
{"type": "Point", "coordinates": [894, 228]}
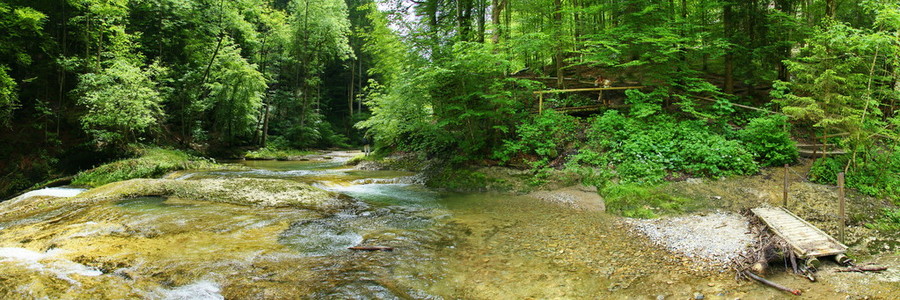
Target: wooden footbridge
{"type": "Point", "coordinates": [581, 108]}
{"type": "Point", "coordinates": [806, 241]}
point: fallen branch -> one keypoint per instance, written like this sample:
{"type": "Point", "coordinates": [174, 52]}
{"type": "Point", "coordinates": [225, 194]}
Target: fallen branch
{"type": "Point", "coordinates": [772, 284]}
{"type": "Point", "coordinates": [371, 248]}
{"type": "Point", "coordinates": [863, 269]}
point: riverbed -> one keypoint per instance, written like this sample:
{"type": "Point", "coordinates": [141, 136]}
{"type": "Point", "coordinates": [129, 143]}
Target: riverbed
{"type": "Point", "coordinates": [445, 245]}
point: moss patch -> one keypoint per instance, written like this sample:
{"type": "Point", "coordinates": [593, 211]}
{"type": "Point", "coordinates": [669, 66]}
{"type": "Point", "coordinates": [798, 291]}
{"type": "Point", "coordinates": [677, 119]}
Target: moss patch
{"type": "Point", "coordinates": [240, 191]}
{"type": "Point", "coordinates": [152, 162]}
{"type": "Point", "coordinates": [279, 154]}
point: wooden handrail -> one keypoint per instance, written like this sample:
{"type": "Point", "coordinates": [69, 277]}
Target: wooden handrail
{"type": "Point", "coordinates": [589, 89]}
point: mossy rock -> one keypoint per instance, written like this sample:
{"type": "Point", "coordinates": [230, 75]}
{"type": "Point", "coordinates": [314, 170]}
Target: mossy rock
{"type": "Point", "coordinates": [240, 191]}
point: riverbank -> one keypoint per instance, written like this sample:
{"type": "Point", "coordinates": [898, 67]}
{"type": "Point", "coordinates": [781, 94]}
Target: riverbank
{"type": "Point", "coordinates": [702, 221]}
{"type": "Point", "coordinates": [224, 222]}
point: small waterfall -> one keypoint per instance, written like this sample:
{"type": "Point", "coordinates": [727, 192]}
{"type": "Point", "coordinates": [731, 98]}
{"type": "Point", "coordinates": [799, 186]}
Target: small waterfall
{"type": "Point", "coordinates": [415, 179]}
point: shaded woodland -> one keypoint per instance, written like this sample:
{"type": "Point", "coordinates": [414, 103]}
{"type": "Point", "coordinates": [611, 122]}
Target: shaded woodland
{"type": "Point", "coordinates": [82, 81]}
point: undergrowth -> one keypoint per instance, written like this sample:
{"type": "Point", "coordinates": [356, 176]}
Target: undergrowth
{"type": "Point", "coordinates": [150, 162]}
{"type": "Point", "coordinates": [275, 153]}
{"type": "Point", "coordinates": [637, 201]}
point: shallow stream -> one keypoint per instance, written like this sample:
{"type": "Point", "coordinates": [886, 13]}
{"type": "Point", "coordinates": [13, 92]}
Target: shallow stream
{"type": "Point", "coordinates": [471, 246]}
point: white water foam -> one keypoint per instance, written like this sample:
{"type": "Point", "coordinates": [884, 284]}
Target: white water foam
{"type": "Point", "coordinates": [201, 290]}
{"type": "Point", "coordinates": [47, 262]}
{"type": "Point", "coordinates": [64, 192]}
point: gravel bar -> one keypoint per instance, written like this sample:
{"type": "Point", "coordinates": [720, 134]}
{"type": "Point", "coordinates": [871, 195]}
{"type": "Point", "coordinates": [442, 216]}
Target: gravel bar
{"type": "Point", "coordinates": [710, 240]}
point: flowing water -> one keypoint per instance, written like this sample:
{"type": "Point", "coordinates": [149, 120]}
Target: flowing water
{"type": "Point", "coordinates": [471, 246]}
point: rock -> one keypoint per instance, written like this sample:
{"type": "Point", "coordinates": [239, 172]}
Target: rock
{"type": "Point", "coordinates": [699, 296]}
{"type": "Point", "coordinates": [580, 197]}
{"type": "Point", "coordinates": [240, 191]}
{"type": "Point", "coordinates": [660, 297]}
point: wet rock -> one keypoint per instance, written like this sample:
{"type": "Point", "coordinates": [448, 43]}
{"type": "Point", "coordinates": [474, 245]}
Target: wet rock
{"type": "Point", "coordinates": [699, 296]}
{"type": "Point", "coordinates": [579, 196]}
{"type": "Point", "coordinates": [240, 191]}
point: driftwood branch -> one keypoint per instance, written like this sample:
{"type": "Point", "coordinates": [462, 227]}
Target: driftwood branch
{"type": "Point", "coordinates": [772, 284]}
{"type": "Point", "coordinates": [863, 269]}
{"type": "Point", "coordinates": [371, 248]}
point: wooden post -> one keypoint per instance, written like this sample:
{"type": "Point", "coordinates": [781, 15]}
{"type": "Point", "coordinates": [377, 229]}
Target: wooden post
{"type": "Point", "coordinates": [841, 214]}
{"type": "Point", "coordinates": [786, 185]}
{"type": "Point", "coordinates": [540, 103]}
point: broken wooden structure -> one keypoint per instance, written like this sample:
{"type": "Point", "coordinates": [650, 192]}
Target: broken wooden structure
{"type": "Point", "coordinates": [806, 241]}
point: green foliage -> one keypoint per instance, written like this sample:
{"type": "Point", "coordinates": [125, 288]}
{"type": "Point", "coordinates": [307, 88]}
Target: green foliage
{"type": "Point", "coordinates": [276, 153]}
{"type": "Point", "coordinates": [889, 221]}
{"type": "Point", "coordinates": [122, 102]}
{"type": "Point", "coordinates": [770, 140]}
{"type": "Point", "coordinates": [544, 136]}
{"type": "Point", "coordinates": [277, 147]}
{"type": "Point", "coordinates": [647, 152]}
{"type": "Point", "coordinates": [151, 162]}
{"type": "Point", "coordinates": [459, 105]}
{"type": "Point", "coordinates": [637, 201]}
{"type": "Point", "coordinates": [874, 173]}
{"type": "Point", "coordinates": [20, 26]}
{"type": "Point", "coordinates": [8, 95]}
{"type": "Point", "coordinates": [841, 82]}
{"type": "Point", "coordinates": [236, 90]}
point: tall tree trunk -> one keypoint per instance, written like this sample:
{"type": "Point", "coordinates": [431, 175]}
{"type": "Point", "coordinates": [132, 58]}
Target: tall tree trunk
{"type": "Point", "coordinates": [558, 57]}
{"type": "Point", "coordinates": [265, 128]}
{"type": "Point", "coordinates": [497, 7]}
{"type": "Point", "coordinates": [830, 8]}
{"type": "Point", "coordinates": [728, 22]}
{"type": "Point", "coordinates": [480, 10]}
{"type": "Point", "coordinates": [786, 7]}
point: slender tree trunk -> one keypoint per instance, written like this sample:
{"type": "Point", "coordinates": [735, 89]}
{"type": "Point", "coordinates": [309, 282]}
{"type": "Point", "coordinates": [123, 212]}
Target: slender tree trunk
{"type": "Point", "coordinates": [830, 8]}
{"type": "Point", "coordinates": [350, 89]}
{"type": "Point", "coordinates": [728, 22]}
{"type": "Point", "coordinates": [265, 128]}
{"type": "Point", "coordinates": [558, 58]}
{"type": "Point", "coordinates": [481, 10]}
{"type": "Point", "coordinates": [360, 73]}
{"type": "Point", "coordinates": [786, 7]}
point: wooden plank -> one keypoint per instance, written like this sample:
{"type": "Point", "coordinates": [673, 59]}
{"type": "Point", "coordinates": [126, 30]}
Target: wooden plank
{"type": "Point", "coordinates": [806, 240]}
{"type": "Point", "coordinates": [589, 89]}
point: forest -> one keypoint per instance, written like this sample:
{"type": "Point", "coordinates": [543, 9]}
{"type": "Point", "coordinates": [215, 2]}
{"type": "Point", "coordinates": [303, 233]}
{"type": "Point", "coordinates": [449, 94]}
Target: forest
{"type": "Point", "coordinates": [722, 87]}
{"type": "Point", "coordinates": [521, 149]}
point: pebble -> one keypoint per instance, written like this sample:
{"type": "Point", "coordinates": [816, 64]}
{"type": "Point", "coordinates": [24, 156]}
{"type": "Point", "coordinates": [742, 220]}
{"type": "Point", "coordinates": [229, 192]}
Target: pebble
{"type": "Point", "coordinates": [712, 240]}
{"type": "Point", "coordinates": [699, 296]}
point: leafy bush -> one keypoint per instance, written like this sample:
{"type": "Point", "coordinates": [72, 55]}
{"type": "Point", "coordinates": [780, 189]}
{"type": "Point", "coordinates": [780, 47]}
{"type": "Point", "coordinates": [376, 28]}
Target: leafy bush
{"type": "Point", "coordinates": [546, 135]}
{"type": "Point", "coordinates": [770, 141]}
{"type": "Point", "coordinates": [648, 151]}
{"type": "Point", "coordinates": [152, 162]}
{"type": "Point", "coordinates": [875, 173]}
{"type": "Point", "coordinates": [890, 221]}
{"type": "Point", "coordinates": [637, 201]}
